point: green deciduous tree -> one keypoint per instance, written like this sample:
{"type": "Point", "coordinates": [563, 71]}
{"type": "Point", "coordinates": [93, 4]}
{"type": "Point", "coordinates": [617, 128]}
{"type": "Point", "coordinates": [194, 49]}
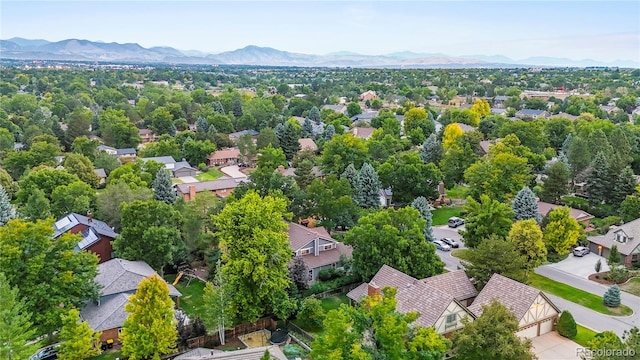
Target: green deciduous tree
{"type": "Point", "coordinates": [16, 328]}
{"type": "Point", "coordinates": [50, 276]}
{"type": "Point", "coordinates": [485, 218]}
{"type": "Point", "coordinates": [343, 150]}
{"type": "Point", "coordinates": [422, 205]}
{"type": "Point", "coordinates": [255, 254]}
{"type": "Point", "coordinates": [353, 109]}
{"type": "Point", "coordinates": [527, 239]}
{"type": "Point", "coordinates": [614, 256]}
{"type": "Point", "coordinates": [395, 238]}
{"type": "Point", "coordinates": [45, 179]}
{"type": "Point", "coordinates": [630, 208]}
{"type": "Point", "coordinates": [409, 177]}
{"type": "Point", "coordinates": [76, 197]}
{"type": "Point", "coordinates": [525, 205]}
{"type": "Point", "coordinates": [162, 187]}
{"type": "Point", "coordinates": [311, 314]}
{"type": "Point", "coordinates": [82, 145]}
{"type": "Point", "coordinates": [117, 130]}
{"type": "Point", "coordinates": [492, 336]}
{"type": "Point", "coordinates": [150, 233]}
{"type": "Point", "coordinates": [110, 201]}
{"type": "Point", "coordinates": [82, 167]}
{"type": "Point", "coordinates": [567, 325]}
{"type": "Point", "coordinates": [197, 151]}
{"type": "Point", "coordinates": [500, 176]}
{"type": "Point", "coordinates": [495, 256]}
{"type": "Point", "coordinates": [36, 207]}
{"type": "Point", "coordinates": [217, 301]}
{"type": "Point", "coordinates": [555, 185]}
{"type": "Point", "coordinates": [79, 341]}
{"type": "Point", "coordinates": [561, 231]}
{"type": "Point", "coordinates": [579, 155]}
{"type": "Point", "coordinates": [150, 328]}
{"type": "Point", "coordinates": [267, 136]}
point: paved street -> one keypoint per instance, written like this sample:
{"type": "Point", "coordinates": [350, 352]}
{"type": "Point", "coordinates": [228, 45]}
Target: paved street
{"type": "Point", "coordinates": [450, 263]}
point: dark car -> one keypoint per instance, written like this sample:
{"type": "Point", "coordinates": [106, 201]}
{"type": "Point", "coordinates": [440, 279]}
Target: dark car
{"type": "Point", "coordinates": [47, 353]}
{"type": "Point", "coordinates": [449, 241]}
{"type": "Point", "coordinates": [581, 251]}
{"type": "Point", "coordinates": [454, 222]}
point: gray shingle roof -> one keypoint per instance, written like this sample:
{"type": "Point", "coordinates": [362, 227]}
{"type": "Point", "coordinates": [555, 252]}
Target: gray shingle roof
{"type": "Point", "coordinates": [110, 314]}
{"type": "Point", "coordinates": [118, 276]}
{"type": "Point", "coordinates": [630, 229]}
{"type": "Point", "coordinates": [455, 283]}
{"type": "Point", "coordinates": [101, 173]}
{"type": "Point", "coordinates": [72, 219]}
{"type": "Point", "coordinates": [161, 159]}
{"type": "Point", "coordinates": [516, 296]}
{"type": "Point", "coordinates": [125, 151]}
{"type": "Point", "coordinates": [212, 185]}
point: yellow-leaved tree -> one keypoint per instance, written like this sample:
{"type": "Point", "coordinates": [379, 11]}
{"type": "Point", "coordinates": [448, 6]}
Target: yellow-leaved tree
{"type": "Point", "coordinates": [451, 133]}
{"type": "Point", "coordinates": [481, 108]}
{"type": "Point", "coordinates": [562, 231]}
{"type": "Point", "coordinates": [150, 329]}
{"type": "Point", "coordinates": [78, 339]}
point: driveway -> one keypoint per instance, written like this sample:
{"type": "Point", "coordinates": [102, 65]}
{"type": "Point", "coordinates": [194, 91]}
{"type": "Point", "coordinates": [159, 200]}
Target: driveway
{"type": "Point", "coordinates": [553, 346]}
{"type": "Point", "coordinates": [188, 179]}
{"type": "Point", "coordinates": [581, 266]}
{"type": "Point", "coordinates": [450, 263]}
{"type": "Point", "coordinates": [233, 171]}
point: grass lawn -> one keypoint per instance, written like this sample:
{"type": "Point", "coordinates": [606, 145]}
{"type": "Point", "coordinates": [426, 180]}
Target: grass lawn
{"type": "Point", "coordinates": [333, 302]}
{"type": "Point", "coordinates": [211, 174]}
{"type": "Point", "coordinates": [457, 192]}
{"type": "Point", "coordinates": [580, 297]}
{"type": "Point", "coordinates": [584, 335]}
{"type": "Point", "coordinates": [191, 301]}
{"type": "Point", "coordinates": [462, 254]}
{"type": "Point", "coordinates": [108, 355]}
{"type": "Point", "coordinates": [176, 181]}
{"type": "Point", "coordinates": [632, 287]}
{"type": "Point", "coordinates": [441, 216]}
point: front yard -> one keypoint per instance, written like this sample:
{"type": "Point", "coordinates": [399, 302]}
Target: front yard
{"type": "Point", "coordinates": [632, 286]}
{"type": "Point", "coordinates": [441, 216]}
{"type": "Point", "coordinates": [211, 174]}
{"type": "Point", "coordinates": [584, 335]}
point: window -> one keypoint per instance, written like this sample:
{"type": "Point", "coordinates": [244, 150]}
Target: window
{"type": "Point", "coordinates": [119, 331]}
{"type": "Point", "coordinates": [305, 251]}
{"type": "Point", "coordinates": [452, 321]}
{"type": "Point", "coordinates": [621, 237]}
{"type": "Point", "coordinates": [327, 246]}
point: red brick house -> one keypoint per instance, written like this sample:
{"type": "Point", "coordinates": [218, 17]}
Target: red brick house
{"type": "Point", "coordinates": [96, 235]}
{"type": "Point", "coordinates": [223, 157]}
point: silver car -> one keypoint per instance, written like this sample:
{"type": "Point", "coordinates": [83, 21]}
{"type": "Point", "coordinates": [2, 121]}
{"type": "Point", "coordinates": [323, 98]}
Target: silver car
{"type": "Point", "coordinates": [441, 246]}
{"type": "Point", "coordinates": [581, 251]}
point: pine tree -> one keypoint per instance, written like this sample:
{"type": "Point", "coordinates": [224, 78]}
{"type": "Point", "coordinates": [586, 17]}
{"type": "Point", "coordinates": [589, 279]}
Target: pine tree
{"type": "Point", "coordinates": [555, 185]}
{"type": "Point", "coordinates": [266, 355]}
{"type": "Point", "coordinates": [598, 181]}
{"type": "Point", "coordinates": [150, 329]}
{"type": "Point", "coordinates": [525, 206]}
{"type": "Point", "coordinates": [625, 185]}
{"type": "Point", "coordinates": [598, 143]}
{"type": "Point", "coordinates": [6, 209]}
{"type": "Point", "coordinates": [431, 150]}
{"type": "Point", "coordinates": [567, 325]}
{"type": "Point", "coordinates": [217, 106]}
{"type": "Point", "coordinates": [307, 128]}
{"type": "Point", "coordinates": [236, 107]}
{"type": "Point", "coordinates": [614, 256]}
{"type": "Point", "coordinates": [289, 141]}
{"type": "Point", "coordinates": [566, 143]}
{"type": "Point", "coordinates": [422, 205]}
{"type": "Point", "coordinates": [329, 132]}
{"type": "Point", "coordinates": [79, 341]}
{"type": "Point", "coordinates": [368, 191]}
{"type": "Point", "coordinates": [304, 175]}
{"type": "Point", "coordinates": [202, 125]}
{"type": "Point", "coordinates": [314, 115]}
{"type": "Point", "coordinates": [162, 187]}
{"type": "Point", "coordinates": [351, 174]}
{"type": "Point", "coordinates": [16, 329]}
{"type": "Point", "coordinates": [611, 298]}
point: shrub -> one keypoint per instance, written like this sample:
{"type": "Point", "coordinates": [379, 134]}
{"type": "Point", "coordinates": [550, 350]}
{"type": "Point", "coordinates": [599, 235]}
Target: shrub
{"type": "Point", "coordinates": [598, 266]}
{"type": "Point", "coordinates": [320, 287]}
{"type": "Point", "coordinates": [311, 313]}
{"type": "Point", "coordinates": [618, 274]}
{"type": "Point", "coordinates": [612, 297]}
{"type": "Point", "coordinates": [567, 325]}
{"type": "Point", "coordinates": [293, 351]}
{"type": "Point", "coordinates": [202, 167]}
{"type": "Point", "coordinates": [614, 256]}
{"type": "Point", "coordinates": [329, 274]}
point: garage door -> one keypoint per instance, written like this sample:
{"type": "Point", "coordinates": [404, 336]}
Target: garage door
{"type": "Point", "coordinates": [529, 332]}
{"type": "Point", "coordinates": [546, 326]}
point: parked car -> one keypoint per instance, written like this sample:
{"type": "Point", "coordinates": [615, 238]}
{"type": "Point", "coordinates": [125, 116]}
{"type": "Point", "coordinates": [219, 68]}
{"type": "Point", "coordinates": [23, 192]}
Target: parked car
{"type": "Point", "coordinates": [449, 241]}
{"type": "Point", "coordinates": [441, 246]}
{"type": "Point", "coordinates": [581, 251]}
{"type": "Point", "coordinates": [454, 222]}
{"type": "Point", "coordinates": [47, 353]}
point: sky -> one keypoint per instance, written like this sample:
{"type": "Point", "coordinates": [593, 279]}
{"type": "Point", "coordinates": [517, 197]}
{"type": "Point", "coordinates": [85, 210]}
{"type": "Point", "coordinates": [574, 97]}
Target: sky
{"type": "Point", "coordinates": [598, 30]}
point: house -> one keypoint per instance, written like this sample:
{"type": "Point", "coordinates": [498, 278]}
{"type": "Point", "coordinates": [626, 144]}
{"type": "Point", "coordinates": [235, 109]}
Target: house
{"type": "Point", "coordinates": [223, 157]}
{"type": "Point", "coordinates": [176, 168]}
{"type": "Point", "coordinates": [126, 153]}
{"type": "Point", "coordinates": [340, 109]}
{"type": "Point", "coordinates": [536, 314]}
{"type": "Point", "coordinates": [292, 171]}
{"type": "Point", "coordinates": [307, 144]}
{"type": "Point", "coordinates": [222, 187]}
{"type": "Point", "coordinates": [498, 111]}
{"type": "Point", "coordinates": [565, 115]}
{"type": "Point", "coordinates": [386, 197]}
{"type": "Point", "coordinates": [102, 174]}
{"type": "Point", "coordinates": [96, 235]}
{"type": "Point", "coordinates": [499, 100]}
{"type": "Point", "coordinates": [608, 108]}
{"type": "Point", "coordinates": [531, 113]}
{"type": "Point", "coordinates": [466, 128]}
{"type": "Point", "coordinates": [364, 117]}
{"type": "Point", "coordinates": [316, 247]}
{"type": "Point", "coordinates": [118, 279]}
{"type": "Point", "coordinates": [108, 149]}
{"type": "Point", "coordinates": [581, 216]}
{"type": "Point", "coordinates": [251, 353]}
{"type": "Point", "coordinates": [486, 144]}
{"type": "Point", "coordinates": [362, 132]}
{"type": "Point", "coordinates": [437, 308]}
{"type": "Point", "coordinates": [316, 129]}
{"type": "Point", "coordinates": [625, 237]}
{"type": "Point", "coordinates": [234, 137]}
{"type": "Point", "coordinates": [368, 95]}
{"type": "Point", "coordinates": [146, 136]}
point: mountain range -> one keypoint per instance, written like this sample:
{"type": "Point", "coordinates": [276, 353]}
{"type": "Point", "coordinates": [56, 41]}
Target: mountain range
{"type": "Point", "coordinates": [85, 50]}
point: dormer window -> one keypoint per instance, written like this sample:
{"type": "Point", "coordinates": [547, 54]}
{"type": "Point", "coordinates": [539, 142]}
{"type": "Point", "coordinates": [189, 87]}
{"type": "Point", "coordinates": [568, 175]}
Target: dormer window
{"type": "Point", "coordinates": [621, 237]}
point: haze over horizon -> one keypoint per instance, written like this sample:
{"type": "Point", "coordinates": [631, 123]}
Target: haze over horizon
{"type": "Point", "coordinates": [601, 31]}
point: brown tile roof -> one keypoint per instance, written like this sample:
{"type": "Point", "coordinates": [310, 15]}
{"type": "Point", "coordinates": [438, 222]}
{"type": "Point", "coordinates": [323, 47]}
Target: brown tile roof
{"type": "Point", "coordinates": [632, 231]}
{"type": "Point", "coordinates": [386, 276]}
{"type": "Point", "coordinates": [455, 283]}
{"type": "Point", "coordinates": [300, 235]}
{"type": "Point", "coordinates": [224, 154]}
{"type": "Point", "coordinates": [544, 208]}
{"type": "Point", "coordinates": [516, 296]}
{"type": "Point", "coordinates": [362, 132]}
{"type": "Point", "coordinates": [327, 257]}
{"type": "Point", "coordinates": [309, 144]}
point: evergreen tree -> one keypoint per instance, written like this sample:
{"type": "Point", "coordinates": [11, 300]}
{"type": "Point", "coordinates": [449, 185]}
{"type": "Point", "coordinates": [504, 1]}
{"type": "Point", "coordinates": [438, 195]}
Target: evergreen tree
{"type": "Point", "coordinates": [598, 143]}
{"type": "Point", "coordinates": [37, 206]}
{"type": "Point", "coordinates": [16, 329]}
{"type": "Point", "coordinates": [162, 187]}
{"type": "Point", "coordinates": [566, 143]}
{"type": "Point", "coordinates": [555, 185]}
{"type": "Point", "coordinates": [304, 175]}
{"type": "Point", "coordinates": [79, 341]}
{"type": "Point", "coordinates": [567, 325]}
{"type": "Point", "coordinates": [431, 150]}
{"type": "Point", "coordinates": [279, 130]}
{"type": "Point", "coordinates": [624, 186]}
{"type": "Point", "coordinates": [6, 209]}
{"type": "Point", "coordinates": [202, 125]}
{"type": "Point", "coordinates": [217, 106]}
{"type": "Point", "coordinates": [236, 107]}
{"type": "Point", "coordinates": [150, 329]}
{"type": "Point", "coordinates": [422, 205]}
{"type": "Point", "coordinates": [289, 141]}
{"type": "Point", "coordinates": [525, 206]}
{"type": "Point", "coordinates": [351, 174]}
{"type": "Point", "coordinates": [611, 298]}
{"type": "Point", "coordinates": [368, 190]}
{"type": "Point", "coordinates": [314, 115]}
{"type": "Point", "coordinates": [329, 132]}
{"type": "Point", "coordinates": [266, 355]}
{"type": "Point", "coordinates": [578, 155]}
{"type": "Point", "coordinates": [614, 256]}
{"type": "Point", "coordinates": [598, 180]}
{"type": "Point", "coordinates": [299, 273]}
{"type": "Point", "coordinates": [307, 128]}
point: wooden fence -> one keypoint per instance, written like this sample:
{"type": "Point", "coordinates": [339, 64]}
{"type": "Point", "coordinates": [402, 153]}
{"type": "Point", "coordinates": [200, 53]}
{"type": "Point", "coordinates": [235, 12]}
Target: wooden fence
{"type": "Point", "coordinates": [242, 329]}
{"type": "Point", "coordinates": [300, 334]}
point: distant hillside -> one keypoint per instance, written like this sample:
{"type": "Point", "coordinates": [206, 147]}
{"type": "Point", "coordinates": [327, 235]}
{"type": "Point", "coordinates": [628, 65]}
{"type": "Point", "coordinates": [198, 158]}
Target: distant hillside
{"type": "Point", "coordinates": [85, 50]}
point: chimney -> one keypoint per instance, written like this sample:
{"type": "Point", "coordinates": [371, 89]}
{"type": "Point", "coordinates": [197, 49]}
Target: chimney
{"type": "Point", "coordinates": [89, 216]}
{"type": "Point", "coordinates": [192, 192]}
{"type": "Point", "coordinates": [373, 289]}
